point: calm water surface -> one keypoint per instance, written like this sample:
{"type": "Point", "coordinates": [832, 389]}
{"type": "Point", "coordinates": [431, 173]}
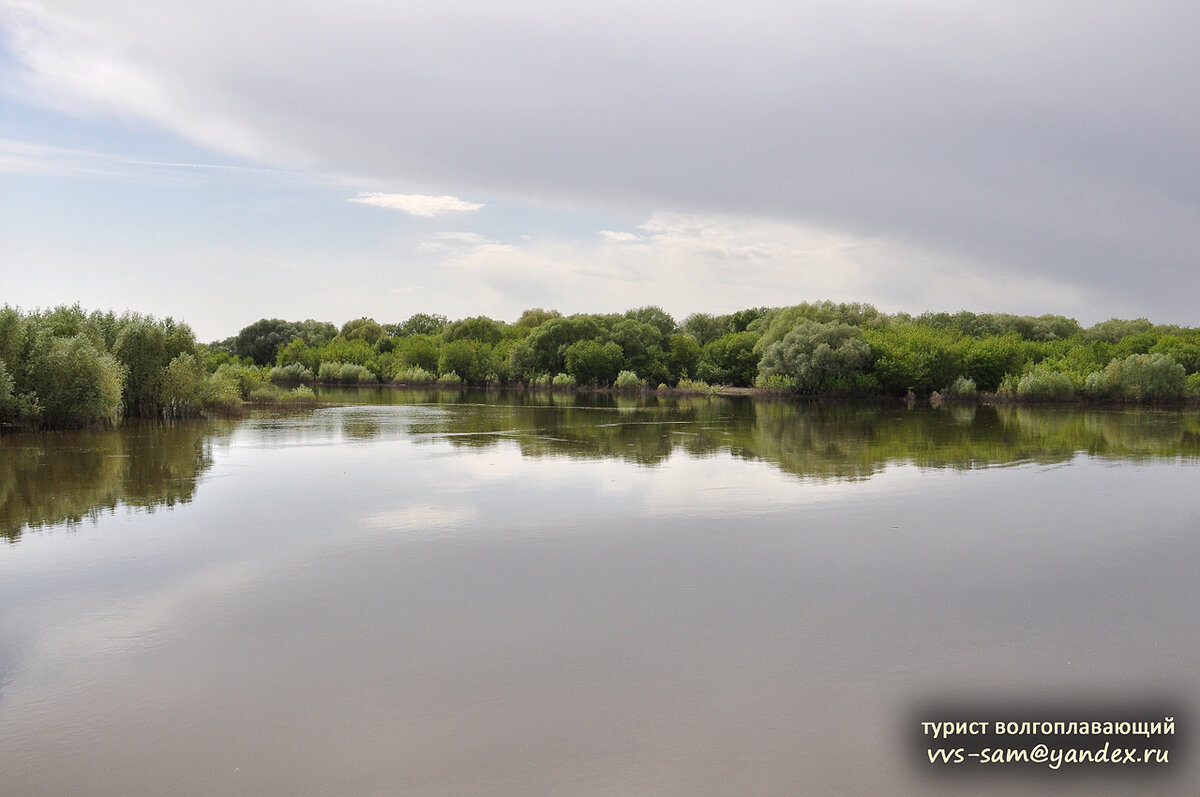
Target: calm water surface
{"type": "Point", "coordinates": [461, 594]}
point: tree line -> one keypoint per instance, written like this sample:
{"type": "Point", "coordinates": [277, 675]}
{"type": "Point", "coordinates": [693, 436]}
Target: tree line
{"type": "Point", "coordinates": [68, 367]}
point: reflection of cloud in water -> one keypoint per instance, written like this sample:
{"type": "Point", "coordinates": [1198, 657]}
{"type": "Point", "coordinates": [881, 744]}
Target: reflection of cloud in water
{"type": "Point", "coordinates": [419, 518]}
{"type": "Point", "coordinates": [47, 480]}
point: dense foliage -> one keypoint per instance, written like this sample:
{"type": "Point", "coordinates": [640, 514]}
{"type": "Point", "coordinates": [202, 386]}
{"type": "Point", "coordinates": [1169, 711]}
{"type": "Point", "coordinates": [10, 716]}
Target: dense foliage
{"type": "Point", "coordinates": [65, 367]}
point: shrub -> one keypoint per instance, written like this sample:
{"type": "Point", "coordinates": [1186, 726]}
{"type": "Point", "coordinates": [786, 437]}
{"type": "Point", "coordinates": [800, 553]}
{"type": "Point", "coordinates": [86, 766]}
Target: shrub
{"type": "Point", "coordinates": [344, 373]}
{"type": "Point", "coordinates": [694, 386]}
{"type": "Point", "coordinates": [75, 384]}
{"type": "Point", "coordinates": [963, 387]}
{"type": "Point", "coordinates": [1096, 385]}
{"type": "Point", "coordinates": [450, 379]}
{"type": "Point", "coordinates": [292, 372]}
{"type": "Point", "coordinates": [301, 394]}
{"type": "Point", "coordinates": [1043, 384]}
{"type": "Point", "coordinates": [181, 386]}
{"type": "Point", "coordinates": [563, 380]}
{"type": "Point", "coordinates": [415, 375]}
{"type": "Point", "coordinates": [775, 382]}
{"type": "Point", "coordinates": [1007, 387]}
{"type": "Point", "coordinates": [246, 377]}
{"type": "Point", "coordinates": [1145, 377]}
{"type": "Point", "coordinates": [220, 392]}
{"type": "Point", "coordinates": [592, 362]}
{"type": "Point", "coordinates": [627, 380]}
{"type": "Point", "coordinates": [730, 359]}
{"type": "Point", "coordinates": [265, 394]}
{"type": "Point", "coordinates": [351, 373]}
{"type": "Point", "coordinates": [814, 355]}
{"type": "Point", "coordinates": [8, 402]}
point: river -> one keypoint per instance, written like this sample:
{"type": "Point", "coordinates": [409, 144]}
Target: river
{"type": "Point", "coordinates": [427, 593]}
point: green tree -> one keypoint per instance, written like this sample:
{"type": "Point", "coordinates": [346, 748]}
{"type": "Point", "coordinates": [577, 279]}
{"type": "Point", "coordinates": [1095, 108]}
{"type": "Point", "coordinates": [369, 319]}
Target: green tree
{"type": "Point", "coordinates": [820, 357]}
{"type": "Point", "coordinates": [593, 363]}
{"type": "Point", "coordinates": [1114, 329]}
{"type": "Point", "coordinates": [916, 357]}
{"type": "Point", "coordinates": [729, 360]}
{"type": "Point", "coordinates": [685, 355]}
{"type": "Point", "coordinates": [145, 347]}
{"type": "Point", "coordinates": [315, 333]}
{"type": "Point", "coordinates": [655, 316]}
{"type": "Point", "coordinates": [297, 351]}
{"type": "Point", "coordinates": [181, 387]}
{"type": "Point", "coordinates": [423, 324]}
{"type": "Point", "coordinates": [988, 359]}
{"type": "Point", "coordinates": [480, 328]}
{"type": "Point", "coordinates": [705, 328]}
{"type": "Point", "coordinates": [260, 340]}
{"type": "Point", "coordinates": [1145, 377]}
{"type": "Point", "coordinates": [75, 384]}
{"type": "Point", "coordinates": [467, 358]}
{"type": "Point", "coordinates": [417, 350]}
{"type": "Point", "coordinates": [8, 400]}
{"type": "Point", "coordinates": [362, 329]}
{"type": "Point", "coordinates": [535, 317]}
{"type": "Point", "coordinates": [543, 351]}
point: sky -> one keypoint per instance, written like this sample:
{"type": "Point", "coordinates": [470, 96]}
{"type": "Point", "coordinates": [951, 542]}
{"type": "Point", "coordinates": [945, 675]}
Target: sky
{"type": "Point", "coordinates": [222, 162]}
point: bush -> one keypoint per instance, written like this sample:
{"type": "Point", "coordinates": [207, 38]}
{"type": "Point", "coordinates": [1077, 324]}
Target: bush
{"type": "Point", "coordinates": [181, 386]}
{"type": "Point", "coordinates": [775, 382]}
{"type": "Point", "coordinates": [1145, 377]}
{"type": "Point", "coordinates": [591, 362]}
{"type": "Point", "coordinates": [818, 357]}
{"type": "Point", "coordinates": [470, 359]}
{"type": "Point", "coordinates": [344, 373]}
{"type": "Point", "coordinates": [302, 394]}
{"type": "Point", "coordinates": [730, 359]}
{"type": "Point", "coordinates": [220, 392]}
{"type": "Point", "coordinates": [265, 394]}
{"type": "Point", "coordinates": [1007, 387]}
{"type": "Point", "coordinates": [414, 375]}
{"type": "Point", "coordinates": [292, 372]}
{"type": "Point", "coordinates": [8, 402]}
{"type": "Point", "coordinates": [450, 379]}
{"type": "Point", "coordinates": [694, 386]}
{"type": "Point", "coordinates": [563, 380]}
{"type": "Point", "coordinates": [627, 380]}
{"type": "Point", "coordinates": [350, 374]}
{"type": "Point", "coordinates": [75, 384]}
{"type": "Point", "coordinates": [963, 387]}
{"type": "Point", "coordinates": [1046, 385]}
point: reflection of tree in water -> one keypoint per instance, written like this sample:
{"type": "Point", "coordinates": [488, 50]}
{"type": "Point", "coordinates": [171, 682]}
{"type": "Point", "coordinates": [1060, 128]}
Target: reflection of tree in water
{"type": "Point", "coordinates": [811, 439]}
{"type": "Point", "coordinates": [67, 477]}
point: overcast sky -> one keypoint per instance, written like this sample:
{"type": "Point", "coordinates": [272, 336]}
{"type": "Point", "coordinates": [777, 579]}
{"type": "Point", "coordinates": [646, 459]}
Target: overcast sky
{"type": "Point", "coordinates": [226, 161]}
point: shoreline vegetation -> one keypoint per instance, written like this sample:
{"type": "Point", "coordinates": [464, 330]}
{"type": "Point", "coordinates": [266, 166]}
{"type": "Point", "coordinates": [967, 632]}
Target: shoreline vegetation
{"type": "Point", "coordinates": [70, 368]}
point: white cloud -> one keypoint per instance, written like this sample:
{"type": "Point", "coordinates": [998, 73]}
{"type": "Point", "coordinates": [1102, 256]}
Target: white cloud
{"type": "Point", "coordinates": [719, 263]}
{"type": "Point", "coordinates": [417, 204]}
{"type": "Point", "coordinates": [613, 235]}
{"type": "Point", "coordinates": [444, 242]}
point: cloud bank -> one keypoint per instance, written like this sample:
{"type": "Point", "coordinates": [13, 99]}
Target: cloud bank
{"type": "Point", "coordinates": [1043, 143]}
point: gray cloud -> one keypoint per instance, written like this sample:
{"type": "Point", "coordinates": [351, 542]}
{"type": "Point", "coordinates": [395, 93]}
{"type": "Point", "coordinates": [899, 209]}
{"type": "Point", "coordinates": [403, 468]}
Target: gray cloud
{"type": "Point", "coordinates": [1039, 139]}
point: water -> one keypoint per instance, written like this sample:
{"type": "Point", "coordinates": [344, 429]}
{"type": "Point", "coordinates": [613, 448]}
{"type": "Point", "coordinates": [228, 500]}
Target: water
{"type": "Point", "coordinates": [472, 594]}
